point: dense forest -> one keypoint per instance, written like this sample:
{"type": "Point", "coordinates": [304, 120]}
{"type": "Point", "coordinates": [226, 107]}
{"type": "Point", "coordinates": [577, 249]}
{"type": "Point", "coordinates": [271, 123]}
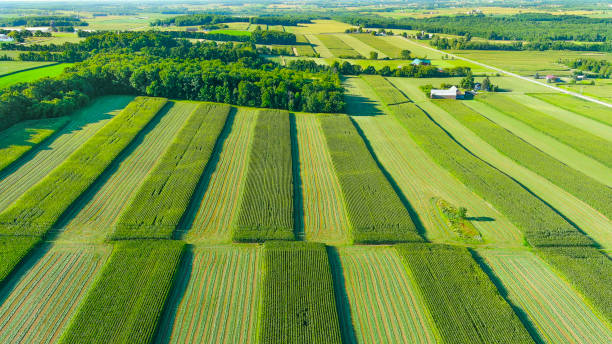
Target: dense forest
{"type": "Point", "coordinates": [154, 64]}
{"type": "Point", "coordinates": [528, 26]}
{"type": "Point", "coordinates": [42, 21]}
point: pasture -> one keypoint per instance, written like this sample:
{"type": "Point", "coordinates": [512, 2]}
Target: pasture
{"type": "Point", "coordinates": [10, 67]}
{"type": "Point", "coordinates": [336, 46]}
{"type": "Point", "coordinates": [33, 74]}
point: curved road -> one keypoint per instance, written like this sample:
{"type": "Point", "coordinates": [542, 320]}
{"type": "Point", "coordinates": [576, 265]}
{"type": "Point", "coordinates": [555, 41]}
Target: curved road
{"type": "Point", "coordinates": [517, 76]}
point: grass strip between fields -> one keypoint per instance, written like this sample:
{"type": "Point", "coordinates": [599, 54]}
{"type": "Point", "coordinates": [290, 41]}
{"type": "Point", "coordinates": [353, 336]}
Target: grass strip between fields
{"type": "Point", "coordinates": [127, 301]}
{"type": "Point", "coordinates": [24, 136]}
{"type": "Point", "coordinates": [39, 209]}
{"type": "Point", "coordinates": [298, 303]}
{"type": "Point", "coordinates": [376, 212]}
{"type": "Point", "coordinates": [465, 305]}
{"type": "Point", "coordinates": [157, 208]}
{"type": "Point", "coordinates": [266, 212]}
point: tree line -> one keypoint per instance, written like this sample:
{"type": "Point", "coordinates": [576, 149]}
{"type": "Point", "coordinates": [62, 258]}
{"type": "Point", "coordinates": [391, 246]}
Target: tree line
{"type": "Point", "coordinates": [463, 43]}
{"type": "Point", "coordinates": [595, 68]}
{"type": "Point", "coordinates": [43, 21]}
{"type": "Point", "coordinates": [208, 19]}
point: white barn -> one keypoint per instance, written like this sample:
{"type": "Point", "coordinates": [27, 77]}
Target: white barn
{"type": "Point", "coordinates": [451, 93]}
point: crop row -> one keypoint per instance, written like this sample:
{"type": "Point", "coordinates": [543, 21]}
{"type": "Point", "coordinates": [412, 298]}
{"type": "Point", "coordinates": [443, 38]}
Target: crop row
{"type": "Point", "coordinates": [24, 136]}
{"type": "Point", "coordinates": [158, 206]}
{"type": "Point", "coordinates": [298, 302]}
{"type": "Point", "coordinates": [40, 208]}
{"type": "Point", "coordinates": [376, 212]}
{"type": "Point", "coordinates": [587, 189]}
{"type": "Point", "coordinates": [465, 305]}
{"type": "Point", "coordinates": [385, 90]}
{"type": "Point", "coordinates": [266, 211]}
{"type": "Point", "coordinates": [336, 46]}
{"type": "Point", "coordinates": [12, 251]}
{"type": "Point", "coordinates": [127, 300]}
{"type": "Point", "coordinates": [541, 224]}
{"type": "Point", "coordinates": [379, 43]}
{"type": "Point", "coordinates": [587, 143]}
{"type": "Point", "coordinates": [576, 105]}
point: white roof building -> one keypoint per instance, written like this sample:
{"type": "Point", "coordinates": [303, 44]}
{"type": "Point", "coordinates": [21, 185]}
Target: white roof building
{"type": "Point", "coordinates": [451, 93]}
{"type": "Point", "coordinates": [5, 38]}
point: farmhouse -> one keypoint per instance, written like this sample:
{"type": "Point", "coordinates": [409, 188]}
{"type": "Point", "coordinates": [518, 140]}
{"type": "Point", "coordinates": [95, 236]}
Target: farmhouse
{"type": "Point", "coordinates": [451, 93]}
{"type": "Point", "coordinates": [5, 38]}
{"type": "Point", "coordinates": [551, 78]}
{"type": "Point", "coordinates": [420, 62]}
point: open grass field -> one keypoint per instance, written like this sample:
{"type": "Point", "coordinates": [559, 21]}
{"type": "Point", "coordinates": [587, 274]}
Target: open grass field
{"type": "Point", "coordinates": [391, 50]}
{"type": "Point", "coordinates": [583, 200]}
{"type": "Point", "coordinates": [24, 136]}
{"type": "Point", "coordinates": [596, 147]}
{"type": "Point", "coordinates": [319, 47]}
{"type": "Point", "coordinates": [545, 143]}
{"type": "Point", "coordinates": [44, 294]}
{"type": "Point", "coordinates": [219, 199]}
{"type": "Point", "coordinates": [94, 217]}
{"type": "Point", "coordinates": [33, 74]}
{"type": "Point", "coordinates": [9, 67]}
{"type": "Point", "coordinates": [157, 208]}
{"type": "Point", "coordinates": [579, 106]}
{"type": "Point", "coordinates": [467, 314]}
{"type": "Point", "coordinates": [358, 45]}
{"type": "Point", "coordinates": [556, 312]}
{"type": "Point", "coordinates": [319, 26]}
{"type": "Point", "coordinates": [602, 89]}
{"type": "Point", "coordinates": [298, 303]}
{"type": "Point", "coordinates": [127, 300]}
{"type": "Point", "coordinates": [420, 179]}
{"type": "Point", "coordinates": [380, 302]}
{"type": "Point", "coordinates": [336, 46]}
{"type": "Point", "coordinates": [323, 206]}
{"type": "Point", "coordinates": [216, 297]}
{"type": "Point", "coordinates": [40, 161]}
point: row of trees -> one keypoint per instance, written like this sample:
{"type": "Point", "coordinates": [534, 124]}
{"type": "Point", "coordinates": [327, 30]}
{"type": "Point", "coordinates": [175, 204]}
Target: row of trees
{"type": "Point", "coordinates": [43, 21]}
{"type": "Point", "coordinates": [208, 19]}
{"type": "Point", "coordinates": [21, 35]}
{"type": "Point", "coordinates": [529, 26]}
{"type": "Point", "coordinates": [596, 68]}
{"type": "Point", "coordinates": [464, 44]}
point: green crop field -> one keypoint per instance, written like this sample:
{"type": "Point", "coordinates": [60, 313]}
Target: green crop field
{"type": "Point", "coordinates": [59, 280]}
{"type": "Point", "coordinates": [361, 47]}
{"type": "Point", "coordinates": [579, 106]}
{"type": "Point", "coordinates": [385, 90]}
{"type": "Point", "coordinates": [95, 216]}
{"type": "Point", "coordinates": [336, 46]}
{"type": "Point", "coordinates": [382, 301]}
{"type": "Point", "coordinates": [558, 313]}
{"type": "Point", "coordinates": [22, 137]}
{"type": "Point", "coordinates": [212, 220]}
{"type": "Point", "coordinates": [158, 206]}
{"type": "Point", "coordinates": [297, 303]}
{"type": "Point", "coordinates": [324, 213]}
{"type": "Point", "coordinates": [208, 306]}
{"type": "Point", "coordinates": [391, 50]}
{"type": "Point", "coordinates": [318, 46]}
{"type": "Point", "coordinates": [266, 211]}
{"type": "Point", "coordinates": [12, 251]}
{"type": "Point", "coordinates": [40, 161]}
{"type": "Point", "coordinates": [33, 74]}
{"type": "Point", "coordinates": [10, 67]}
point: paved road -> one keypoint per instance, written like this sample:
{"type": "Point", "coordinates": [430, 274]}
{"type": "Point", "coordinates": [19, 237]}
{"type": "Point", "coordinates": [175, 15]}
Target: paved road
{"type": "Point", "coordinates": [518, 76]}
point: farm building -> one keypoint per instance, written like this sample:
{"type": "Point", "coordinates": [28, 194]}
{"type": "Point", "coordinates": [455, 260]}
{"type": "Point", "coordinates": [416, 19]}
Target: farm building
{"type": "Point", "coordinates": [5, 38]}
{"type": "Point", "coordinates": [451, 93]}
{"type": "Point", "coordinates": [551, 78]}
{"type": "Point", "coordinates": [420, 62]}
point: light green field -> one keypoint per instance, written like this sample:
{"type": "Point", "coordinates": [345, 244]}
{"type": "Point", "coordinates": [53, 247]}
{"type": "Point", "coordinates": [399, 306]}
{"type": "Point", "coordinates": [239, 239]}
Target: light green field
{"type": "Point", "coordinates": [319, 47]}
{"type": "Point", "coordinates": [420, 179]}
{"type": "Point", "coordinates": [45, 292]}
{"type": "Point", "coordinates": [7, 67]}
{"type": "Point", "coordinates": [336, 46]}
{"type": "Point", "coordinates": [324, 212]}
{"type": "Point", "coordinates": [529, 62]}
{"type": "Point", "coordinates": [34, 74]}
{"type": "Point", "coordinates": [588, 219]}
{"type": "Point", "coordinates": [601, 90]}
{"type": "Point", "coordinates": [93, 218]}
{"type": "Point", "coordinates": [545, 143]}
{"type": "Point", "coordinates": [382, 303]}
{"type": "Point", "coordinates": [582, 107]}
{"type": "Point", "coordinates": [557, 312]}
{"type": "Point", "coordinates": [127, 22]}
{"type": "Point", "coordinates": [20, 138]}
{"type": "Point", "coordinates": [232, 32]}
{"type": "Point", "coordinates": [57, 38]}
{"type": "Point", "coordinates": [391, 50]}
{"type": "Point", "coordinates": [319, 26]}
{"type": "Point", "coordinates": [215, 298]}
{"type": "Point", "coordinates": [362, 48]}
{"type": "Point", "coordinates": [218, 200]}
{"type": "Point", "coordinates": [238, 25]}
{"type": "Point", "coordinates": [16, 179]}
{"type": "Point", "coordinates": [304, 50]}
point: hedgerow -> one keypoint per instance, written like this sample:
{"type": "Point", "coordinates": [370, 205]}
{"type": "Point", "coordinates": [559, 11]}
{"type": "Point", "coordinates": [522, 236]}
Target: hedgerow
{"type": "Point", "coordinates": [298, 301]}
{"type": "Point", "coordinates": [266, 212]}
{"type": "Point", "coordinates": [126, 302]}
{"type": "Point", "coordinates": [542, 225]}
{"type": "Point", "coordinates": [158, 206]}
{"type": "Point", "coordinates": [465, 305]}
{"type": "Point", "coordinates": [376, 212]}
{"type": "Point", "coordinates": [35, 212]}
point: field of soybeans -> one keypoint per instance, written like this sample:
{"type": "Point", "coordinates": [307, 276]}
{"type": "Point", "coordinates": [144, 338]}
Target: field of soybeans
{"type": "Point", "coordinates": [401, 220]}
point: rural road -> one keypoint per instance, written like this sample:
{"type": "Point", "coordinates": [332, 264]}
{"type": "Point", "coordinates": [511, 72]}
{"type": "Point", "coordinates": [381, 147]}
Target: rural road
{"type": "Point", "coordinates": [517, 76]}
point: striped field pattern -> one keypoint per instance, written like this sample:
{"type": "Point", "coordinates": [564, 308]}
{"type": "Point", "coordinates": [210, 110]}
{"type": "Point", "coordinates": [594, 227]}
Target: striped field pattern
{"type": "Point", "coordinates": [379, 43]}
{"type": "Point", "coordinates": [212, 219]}
{"type": "Point", "coordinates": [216, 297]}
{"type": "Point", "coordinates": [94, 219]}
{"type": "Point", "coordinates": [43, 296]}
{"type": "Point", "coordinates": [558, 313]}
{"type": "Point", "coordinates": [383, 302]}
{"type": "Point", "coordinates": [39, 162]}
{"type": "Point", "coordinates": [324, 218]}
